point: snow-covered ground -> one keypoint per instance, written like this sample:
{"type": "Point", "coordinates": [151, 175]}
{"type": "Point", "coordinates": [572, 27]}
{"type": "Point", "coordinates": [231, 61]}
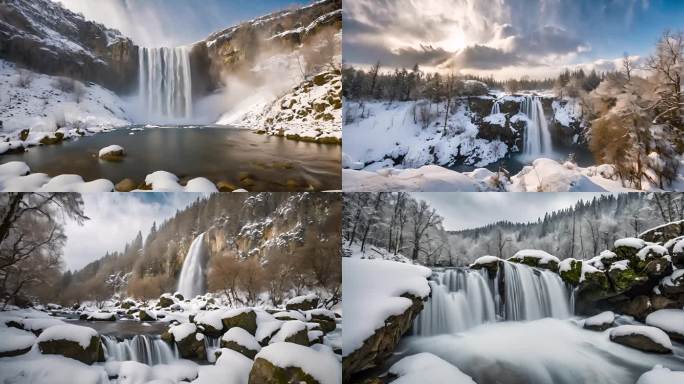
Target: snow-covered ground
{"type": "Point", "coordinates": [319, 357]}
{"type": "Point", "coordinates": [375, 131]}
{"type": "Point", "coordinates": [45, 105]}
{"type": "Point", "coordinates": [544, 175]}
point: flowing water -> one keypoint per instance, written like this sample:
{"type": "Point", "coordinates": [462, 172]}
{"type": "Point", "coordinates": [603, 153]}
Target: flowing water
{"type": "Point", "coordinates": [495, 108]}
{"type": "Point", "coordinates": [516, 328]}
{"type": "Point", "coordinates": [463, 298]}
{"type": "Point", "coordinates": [150, 350]}
{"type": "Point", "coordinates": [165, 82]}
{"type": "Point", "coordinates": [219, 154]}
{"type": "Point", "coordinates": [537, 135]}
{"type": "Point", "coordinates": [192, 279]}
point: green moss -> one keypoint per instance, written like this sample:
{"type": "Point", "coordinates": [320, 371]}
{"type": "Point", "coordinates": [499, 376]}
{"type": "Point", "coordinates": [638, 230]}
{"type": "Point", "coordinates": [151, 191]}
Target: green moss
{"type": "Point", "coordinates": [238, 348]}
{"type": "Point", "coordinates": [573, 275]}
{"type": "Point", "coordinates": [245, 320]}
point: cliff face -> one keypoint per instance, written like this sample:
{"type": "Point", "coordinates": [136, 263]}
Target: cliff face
{"type": "Point", "coordinates": [44, 37]}
{"type": "Point", "coordinates": [236, 50]}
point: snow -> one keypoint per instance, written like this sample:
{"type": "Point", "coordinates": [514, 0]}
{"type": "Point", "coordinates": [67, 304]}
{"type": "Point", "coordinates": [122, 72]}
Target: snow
{"type": "Point", "coordinates": [544, 175]}
{"type": "Point", "coordinates": [241, 337]}
{"type": "Point", "coordinates": [100, 315]}
{"type": "Point", "coordinates": [110, 149]}
{"type": "Point", "coordinates": [630, 242]}
{"type": "Point", "coordinates": [429, 369]}
{"type": "Point", "coordinates": [371, 293]}
{"type": "Point", "coordinates": [661, 375]}
{"type": "Point", "coordinates": [12, 339]}
{"type": "Point", "coordinates": [568, 112]}
{"type": "Point", "coordinates": [302, 299]}
{"type": "Point", "coordinates": [544, 257]}
{"type": "Point", "coordinates": [289, 328]}
{"type": "Point", "coordinates": [51, 369]}
{"type": "Point", "coordinates": [182, 331]}
{"type": "Point", "coordinates": [603, 318]}
{"type": "Point", "coordinates": [77, 333]}
{"type": "Point", "coordinates": [485, 260]}
{"type": "Point", "coordinates": [212, 318]}
{"type": "Point", "coordinates": [431, 178]}
{"type": "Point", "coordinates": [322, 364]}
{"type": "Point", "coordinates": [379, 130]}
{"type": "Point", "coordinates": [651, 248]}
{"type": "Point", "coordinates": [75, 183]}
{"type": "Point", "coordinates": [39, 324]}
{"type": "Point", "coordinates": [231, 368]}
{"type": "Point", "coordinates": [654, 334]}
{"type": "Point", "coordinates": [669, 320]}
{"type": "Point", "coordinates": [162, 181]}
{"type": "Point", "coordinates": [566, 265]}
{"type": "Point", "coordinates": [621, 265]}
{"type": "Point", "coordinates": [41, 107]}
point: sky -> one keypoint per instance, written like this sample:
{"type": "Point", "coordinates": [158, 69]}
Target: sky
{"type": "Point", "coordinates": [504, 38]}
{"type": "Point", "coordinates": [157, 23]}
{"type": "Point", "coordinates": [115, 219]}
{"type": "Point", "coordinates": [472, 210]}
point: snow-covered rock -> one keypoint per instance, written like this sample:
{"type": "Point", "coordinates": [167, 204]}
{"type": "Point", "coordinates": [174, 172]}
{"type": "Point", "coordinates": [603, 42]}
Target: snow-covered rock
{"type": "Point", "coordinates": [240, 341]}
{"type": "Point", "coordinates": [73, 341]}
{"type": "Point", "coordinates": [293, 361]}
{"type": "Point", "coordinates": [669, 320]}
{"type": "Point", "coordinates": [661, 375]}
{"type": "Point", "coordinates": [644, 338]}
{"type": "Point", "coordinates": [429, 369]}
{"type": "Point", "coordinates": [600, 322]}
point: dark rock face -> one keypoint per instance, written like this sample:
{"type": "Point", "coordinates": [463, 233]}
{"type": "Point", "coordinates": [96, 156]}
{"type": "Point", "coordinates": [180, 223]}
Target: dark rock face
{"type": "Point", "coordinates": [304, 305]}
{"type": "Point", "coordinates": [641, 343]}
{"type": "Point", "coordinates": [664, 232]}
{"type": "Point", "coordinates": [245, 320]}
{"type": "Point", "coordinates": [264, 372]}
{"type": "Point", "coordinates": [74, 350]}
{"type": "Point", "coordinates": [377, 348]}
{"type": "Point", "coordinates": [94, 53]}
{"type": "Point", "coordinates": [238, 348]}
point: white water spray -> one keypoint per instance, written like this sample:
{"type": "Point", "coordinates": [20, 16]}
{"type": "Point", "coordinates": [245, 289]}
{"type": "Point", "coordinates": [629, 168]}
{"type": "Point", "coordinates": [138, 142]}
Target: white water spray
{"type": "Point", "coordinates": [463, 298]}
{"type": "Point", "coordinates": [141, 348]}
{"type": "Point", "coordinates": [165, 82]}
{"type": "Point", "coordinates": [537, 135]}
{"type": "Point", "coordinates": [191, 280]}
{"type": "Point", "coordinates": [495, 108]}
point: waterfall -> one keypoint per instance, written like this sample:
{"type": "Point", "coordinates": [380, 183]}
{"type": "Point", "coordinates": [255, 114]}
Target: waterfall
{"type": "Point", "coordinates": [537, 135]}
{"type": "Point", "coordinates": [165, 83]}
{"type": "Point", "coordinates": [141, 348]}
{"type": "Point", "coordinates": [191, 281]}
{"type": "Point", "coordinates": [463, 298]}
{"type": "Point", "coordinates": [495, 108]}
{"type": "Point", "coordinates": [211, 345]}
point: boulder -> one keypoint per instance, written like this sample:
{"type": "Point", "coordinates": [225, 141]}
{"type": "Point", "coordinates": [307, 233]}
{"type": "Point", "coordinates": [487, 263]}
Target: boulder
{"type": "Point", "coordinates": [240, 341]}
{"type": "Point", "coordinates": [166, 300]}
{"type": "Point", "coordinates": [381, 345]}
{"type": "Point", "coordinates": [112, 153]}
{"type": "Point", "coordinates": [643, 338]}
{"type": "Point", "coordinates": [658, 268]}
{"type": "Point", "coordinates": [147, 315]}
{"type": "Point", "coordinates": [302, 303]}
{"type": "Point", "coordinates": [128, 303]}
{"type": "Point", "coordinates": [490, 263]}
{"type": "Point", "coordinates": [178, 296]}
{"type": "Point", "coordinates": [283, 363]}
{"type": "Point", "coordinates": [664, 232]}
{"type": "Point", "coordinates": [638, 307]}
{"type": "Point", "coordinates": [189, 342]}
{"type": "Point", "coordinates": [600, 322]}
{"type": "Point", "coordinates": [72, 341]}
{"type": "Point", "coordinates": [264, 372]}
{"type": "Point", "coordinates": [324, 318]}
{"type": "Point", "coordinates": [672, 286]}
{"type": "Point", "coordinates": [243, 318]}
{"type": "Point", "coordinates": [126, 185]}
{"type": "Point", "coordinates": [536, 258]}
{"type": "Point", "coordinates": [624, 278]}
{"type": "Point", "coordinates": [292, 331]}
{"type": "Point", "coordinates": [15, 342]}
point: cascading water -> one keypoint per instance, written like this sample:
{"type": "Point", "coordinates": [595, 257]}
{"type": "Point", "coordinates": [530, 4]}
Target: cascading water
{"type": "Point", "coordinates": [191, 280]}
{"type": "Point", "coordinates": [537, 135]}
{"type": "Point", "coordinates": [165, 82]}
{"type": "Point", "coordinates": [495, 108]}
{"type": "Point", "coordinates": [141, 348]}
{"type": "Point", "coordinates": [463, 298]}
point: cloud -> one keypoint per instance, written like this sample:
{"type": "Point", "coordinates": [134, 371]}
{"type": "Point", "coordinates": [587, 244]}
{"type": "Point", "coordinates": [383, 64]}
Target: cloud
{"type": "Point", "coordinates": [482, 57]}
{"type": "Point", "coordinates": [471, 210]}
{"type": "Point", "coordinates": [115, 219]}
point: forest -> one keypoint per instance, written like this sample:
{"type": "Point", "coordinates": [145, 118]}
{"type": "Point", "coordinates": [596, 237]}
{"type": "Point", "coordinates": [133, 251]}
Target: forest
{"type": "Point", "coordinates": [633, 117]}
{"type": "Point", "coordinates": [262, 249]}
{"type": "Point", "coordinates": [400, 226]}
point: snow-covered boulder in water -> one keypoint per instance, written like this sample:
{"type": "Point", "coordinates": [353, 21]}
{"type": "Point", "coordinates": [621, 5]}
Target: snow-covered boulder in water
{"type": "Point", "coordinates": [643, 338]}
{"type": "Point", "coordinates": [240, 341]}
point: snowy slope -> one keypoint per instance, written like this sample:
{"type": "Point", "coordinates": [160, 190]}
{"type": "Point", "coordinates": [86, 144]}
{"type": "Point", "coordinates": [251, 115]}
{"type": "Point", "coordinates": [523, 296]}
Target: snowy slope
{"type": "Point", "coordinates": [375, 131]}
{"type": "Point", "coordinates": [544, 175]}
{"type": "Point", "coordinates": [41, 106]}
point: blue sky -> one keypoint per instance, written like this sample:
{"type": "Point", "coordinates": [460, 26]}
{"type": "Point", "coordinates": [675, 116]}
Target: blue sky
{"type": "Point", "coordinates": [505, 38]}
{"type": "Point", "coordinates": [174, 22]}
